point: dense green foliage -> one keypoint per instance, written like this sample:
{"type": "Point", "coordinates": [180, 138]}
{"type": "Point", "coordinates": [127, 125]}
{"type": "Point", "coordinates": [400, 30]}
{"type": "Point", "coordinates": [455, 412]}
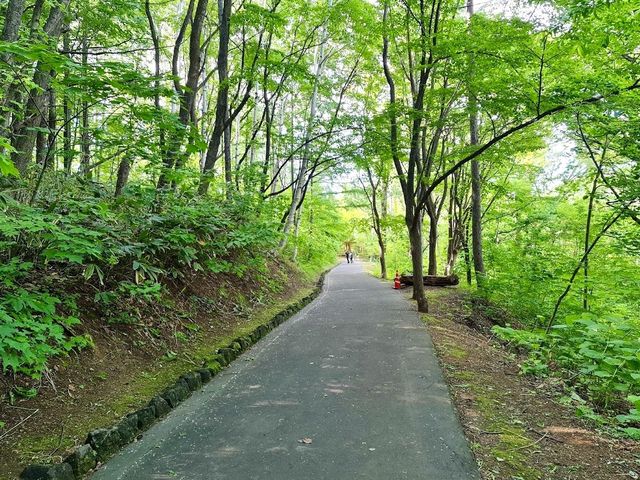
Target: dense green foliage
{"type": "Point", "coordinates": [124, 250]}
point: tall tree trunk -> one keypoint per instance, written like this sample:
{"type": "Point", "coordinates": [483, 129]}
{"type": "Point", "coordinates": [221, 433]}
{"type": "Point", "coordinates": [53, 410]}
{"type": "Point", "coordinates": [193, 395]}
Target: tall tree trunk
{"type": "Point", "coordinates": [10, 33]}
{"type": "Point", "coordinates": [432, 268]}
{"type": "Point", "coordinates": [85, 137]}
{"type": "Point", "coordinates": [476, 188]}
{"type": "Point", "coordinates": [24, 136]}
{"type": "Point", "coordinates": [304, 164]}
{"type": "Point", "coordinates": [173, 155]}
{"type": "Point", "coordinates": [222, 99]}
{"type": "Point", "coordinates": [267, 133]}
{"type": "Point", "coordinates": [67, 136]}
{"type": "Point", "coordinates": [156, 60]}
{"type": "Point", "coordinates": [413, 217]}
{"type": "Point", "coordinates": [587, 240]}
{"type": "Point", "coordinates": [228, 179]}
{"type": "Point", "coordinates": [53, 129]}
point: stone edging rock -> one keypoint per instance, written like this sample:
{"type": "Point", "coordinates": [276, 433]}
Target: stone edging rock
{"type": "Point", "coordinates": [103, 443]}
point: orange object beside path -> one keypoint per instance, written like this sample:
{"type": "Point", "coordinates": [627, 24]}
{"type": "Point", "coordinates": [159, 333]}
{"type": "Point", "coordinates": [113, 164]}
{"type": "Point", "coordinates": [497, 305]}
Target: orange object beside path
{"type": "Point", "coordinates": [396, 282]}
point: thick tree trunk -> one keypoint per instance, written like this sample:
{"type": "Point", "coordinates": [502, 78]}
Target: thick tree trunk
{"type": "Point", "coordinates": [12, 22]}
{"type": "Point", "coordinates": [123, 175]}
{"type": "Point", "coordinates": [476, 194]}
{"type": "Point", "coordinates": [415, 239]}
{"type": "Point", "coordinates": [10, 33]}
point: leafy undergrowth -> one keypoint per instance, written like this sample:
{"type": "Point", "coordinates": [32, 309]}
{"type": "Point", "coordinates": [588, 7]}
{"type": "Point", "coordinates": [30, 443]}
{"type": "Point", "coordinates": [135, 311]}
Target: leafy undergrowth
{"type": "Point", "coordinates": [516, 424]}
{"type": "Point", "coordinates": [88, 255]}
{"type": "Point", "coordinates": [598, 357]}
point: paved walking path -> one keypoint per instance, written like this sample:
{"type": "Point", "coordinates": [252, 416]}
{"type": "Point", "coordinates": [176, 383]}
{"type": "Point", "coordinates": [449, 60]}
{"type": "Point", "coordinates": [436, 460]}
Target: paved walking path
{"type": "Point", "coordinates": [354, 374]}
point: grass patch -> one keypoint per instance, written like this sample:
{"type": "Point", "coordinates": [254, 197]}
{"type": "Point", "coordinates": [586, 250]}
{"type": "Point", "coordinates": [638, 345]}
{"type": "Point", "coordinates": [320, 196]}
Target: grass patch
{"type": "Point", "coordinates": [454, 350]}
{"type": "Point", "coordinates": [512, 443]}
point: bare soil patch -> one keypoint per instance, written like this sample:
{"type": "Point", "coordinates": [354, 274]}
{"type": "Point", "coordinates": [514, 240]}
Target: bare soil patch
{"type": "Point", "coordinates": [515, 424]}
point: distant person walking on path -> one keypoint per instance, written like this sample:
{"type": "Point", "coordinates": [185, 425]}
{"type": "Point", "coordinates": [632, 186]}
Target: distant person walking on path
{"type": "Point", "coordinates": [349, 256]}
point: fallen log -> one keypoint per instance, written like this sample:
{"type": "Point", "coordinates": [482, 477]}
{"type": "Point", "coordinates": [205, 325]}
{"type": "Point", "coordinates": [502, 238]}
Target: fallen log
{"type": "Point", "coordinates": [432, 280]}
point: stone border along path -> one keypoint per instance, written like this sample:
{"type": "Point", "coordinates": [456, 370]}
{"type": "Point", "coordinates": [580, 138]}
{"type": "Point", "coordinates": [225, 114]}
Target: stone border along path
{"type": "Point", "coordinates": [103, 443]}
{"type": "Point", "coordinates": [349, 388]}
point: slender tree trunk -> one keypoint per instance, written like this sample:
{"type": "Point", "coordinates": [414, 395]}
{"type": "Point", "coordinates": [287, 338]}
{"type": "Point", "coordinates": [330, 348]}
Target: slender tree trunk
{"type": "Point", "coordinates": [451, 231]}
{"type": "Point", "coordinates": [174, 157]}
{"type": "Point", "coordinates": [85, 137]}
{"type": "Point", "coordinates": [228, 179]}
{"type": "Point", "coordinates": [296, 232]}
{"type": "Point", "coordinates": [53, 128]}
{"type": "Point", "coordinates": [268, 124]}
{"type": "Point", "coordinates": [67, 138]}
{"type": "Point", "coordinates": [467, 256]}
{"type": "Point", "coordinates": [413, 217]}
{"type": "Point", "coordinates": [587, 240]}
{"type": "Point", "coordinates": [433, 246]}
{"type": "Point", "coordinates": [576, 270]}
{"type": "Point", "coordinates": [156, 60]}
{"type": "Point", "coordinates": [222, 99]}
{"type": "Point", "coordinates": [304, 164]}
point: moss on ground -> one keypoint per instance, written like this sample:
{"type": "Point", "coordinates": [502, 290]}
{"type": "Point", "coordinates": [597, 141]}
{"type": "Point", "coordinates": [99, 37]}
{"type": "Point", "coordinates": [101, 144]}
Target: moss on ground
{"type": "Point", "coordinates": [512, 443]}
{"type": "Point", "coordinates": [454, 350]}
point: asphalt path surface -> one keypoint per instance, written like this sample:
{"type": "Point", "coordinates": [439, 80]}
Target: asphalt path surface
{"type": "Point", "coordinates": [349, 388]}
